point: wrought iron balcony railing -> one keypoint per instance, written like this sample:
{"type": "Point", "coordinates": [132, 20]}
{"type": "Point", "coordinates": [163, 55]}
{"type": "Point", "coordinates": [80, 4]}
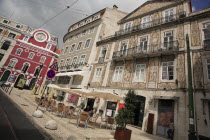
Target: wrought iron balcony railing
{"type": "Point", "coordinates": [73, 66]}
{"type": "Point", "coordinates": [152, 23]}
{"type": "Point", "coordinates": [138, 50]}
{"type": "Point", "coordinates": [206, 44]}
{"type": "Point", "coordinates": [101, 59]}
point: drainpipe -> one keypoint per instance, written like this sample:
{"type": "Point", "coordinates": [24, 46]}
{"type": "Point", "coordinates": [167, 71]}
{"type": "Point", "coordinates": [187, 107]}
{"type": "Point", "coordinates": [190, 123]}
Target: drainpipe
{"type": "Point", "coordinates": [192, 133]}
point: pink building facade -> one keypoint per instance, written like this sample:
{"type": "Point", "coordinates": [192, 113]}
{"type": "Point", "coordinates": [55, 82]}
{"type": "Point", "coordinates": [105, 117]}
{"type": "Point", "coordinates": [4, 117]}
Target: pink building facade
{"type": "Point", "coordinates": [30, 58]}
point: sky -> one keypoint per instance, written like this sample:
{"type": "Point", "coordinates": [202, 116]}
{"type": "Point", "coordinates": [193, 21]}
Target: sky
{"type": "Point", "coordinates": [35, 13]}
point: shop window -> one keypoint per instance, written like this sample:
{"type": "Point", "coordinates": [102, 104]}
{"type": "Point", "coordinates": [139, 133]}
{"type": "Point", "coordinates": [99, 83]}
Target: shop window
{"type": "Point", "coordinates": [168, 70]}
{"type": "Point", "coordinates": [98, 73]}
{"type": "Point", "coordinates": [31, 55]}
{"type": "Point", "coordinates": [87, 44]}
{"type": "Point", "coordinates": [6, 45]}
{"type": "Point", "coordinates": [1, 56]}
{"type": "Point", "coordinates": [140, 73]}
{"type": "Point", "coordinates": [208, 68]}
{"type": "Point", "coordinates": [19, 51]}
{"type": "Point", "coordinates": [118, 74]}
{"type": "Point", "coordinates": [72, 47]}
{"type": "Point", "coordinates": [12, 63]}
{"type": "Point", "coordinates": [82, 59]}
{"type": "Point", "coordinates": [11, 35]}
{"type": "Point", "coordinates": [79, 46]}
{"type": "Point", "coordinates": [43, 58]}
{"type": "Point", "coordinates": [25, 68]}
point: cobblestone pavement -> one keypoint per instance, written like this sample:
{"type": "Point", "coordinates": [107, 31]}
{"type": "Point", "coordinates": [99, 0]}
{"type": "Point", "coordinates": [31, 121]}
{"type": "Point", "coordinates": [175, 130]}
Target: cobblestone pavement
{"type": "Point", "coordinates": [68, 130]}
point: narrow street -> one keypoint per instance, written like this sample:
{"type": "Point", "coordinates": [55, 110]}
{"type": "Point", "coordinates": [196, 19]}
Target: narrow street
{"type": "Point", "coordinates": [14, 125]}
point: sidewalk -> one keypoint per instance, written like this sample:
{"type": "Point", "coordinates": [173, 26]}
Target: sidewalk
{"type": "Point", "coordinates": [65, 130]}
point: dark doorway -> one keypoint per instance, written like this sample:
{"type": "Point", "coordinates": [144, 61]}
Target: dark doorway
{"type": "Point", "coordinates": [150, 123]}
{"type": "Point", "coordinates": [139, 111]}
{"type": "Point", "coordinates": [90, 102]}
{"type": "Point", "coordinates": [32, 83]}
{"type": "Point", "coordinates": [165, 116]}
{"type": "Point", "coordinates": [19, 77]}
{"type": "Point", "coordinates": [5, 76]}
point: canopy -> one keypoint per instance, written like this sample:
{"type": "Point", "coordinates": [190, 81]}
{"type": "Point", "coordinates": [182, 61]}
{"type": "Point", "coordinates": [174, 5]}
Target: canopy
{"type": "Point", "coordinates": [105, 95]}
{"type": "Point", "coordinates": [71, 73]}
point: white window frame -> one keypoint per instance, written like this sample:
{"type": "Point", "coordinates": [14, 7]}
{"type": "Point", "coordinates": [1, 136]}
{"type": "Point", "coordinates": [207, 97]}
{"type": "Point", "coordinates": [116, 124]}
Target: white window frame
{"type": "Point", "coordinates": [21, 50]}
{"type": "Point", "coordinates": [82, 60]}
{"type": "Point", "coordinates": [65, 51]}
{"type": "Point", "coordinates": [29, 56]}
{"type": "Point", "coordinates": [161, 74]}
{"type": "Point", "coordinates": [164, 35]}
{"type": "Point", "coordinates": [24, 66]}
{"type": "Point", "coordinates": [14, 62]}
{"type": "Point", "coordinates": [69, 60]}
{"type": "Point", "coordinates": [140, 41]}
{"type": "Point", "coordinates": [74, 61]}
{"type": "Point", "coordinates": [48, 46]}
{"type": "Point", "coordinates": [42, 59]}
{"type": "Point", "coordinates": [167, 10]}
{"type": "Point", "coordinates": [139, 78]}
{"type": "Point", "coordinates": [26, 38]}
{"type": "Point", "coordinates": [72, 50]}
{"type": "Point", "coordinates": [116, 76]}
{"type": "Point", "coordinates": [88, 44]}
{"type": "Point", "coordinates": [146, 21]}
{"type": "Point", "coordinates": [12, 34]}
{"type": "Point", "coordinates": [98, 74]}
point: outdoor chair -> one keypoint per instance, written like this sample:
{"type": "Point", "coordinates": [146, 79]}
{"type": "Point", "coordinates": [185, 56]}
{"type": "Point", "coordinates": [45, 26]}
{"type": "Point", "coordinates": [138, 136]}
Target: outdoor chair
{"type": "Point", "coordinates": [111, 122]}
{"type": "Point", "coordinates": [52, 105]}
{"type": "Point", "coordinates": [103, 119]}
{"type": "Point", "coordinates": [66, 110]}
{"type": "Point", "coordinates": [60, 110]}
{"type": "Point", "coordinates": [83, 117]}
{"type": "Point", "coordinates": [47, 104]}
{"type": "Point", "coordinates": [93, 119]}
{"type": "Point", "coordinates": [74, 113]}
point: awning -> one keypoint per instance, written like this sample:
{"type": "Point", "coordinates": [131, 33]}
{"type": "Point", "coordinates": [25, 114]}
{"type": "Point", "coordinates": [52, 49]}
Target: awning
{"type": "Point", "coordinates": [105, 95]}
{"type": "Point", "coordinates": [71, 73]}
{"type": "Point", "coordinates": [166, 97]}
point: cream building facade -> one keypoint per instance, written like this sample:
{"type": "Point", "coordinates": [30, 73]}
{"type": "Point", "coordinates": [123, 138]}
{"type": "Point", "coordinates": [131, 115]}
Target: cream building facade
{"type": "Point", "coordinates": [148, 55]}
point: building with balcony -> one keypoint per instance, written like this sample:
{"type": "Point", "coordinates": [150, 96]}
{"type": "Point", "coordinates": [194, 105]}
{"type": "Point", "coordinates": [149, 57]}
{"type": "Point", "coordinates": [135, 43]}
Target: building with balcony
{"type": "Point", "coordinates": [148, 55]}
{"type": "Point", "coordinates": [30, 56]}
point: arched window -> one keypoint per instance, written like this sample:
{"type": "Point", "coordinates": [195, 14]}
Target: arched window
{"type": "Point", "coordinates": [31, 55]}
{"type": "Point", "coordinates": [25, 68]}
{"type": "Point", "coordinates": [12, 63]}
{"type": "Point", "coordinates": [6, 45]}
{"type": "Point", "coordinates": [37, 71]}
{"type": "Point", "coordinates": [19, 51]}
{"type": "Point", "coordinates": [49, 46]}
{"type": "Point", "coordinates": [43, 58]}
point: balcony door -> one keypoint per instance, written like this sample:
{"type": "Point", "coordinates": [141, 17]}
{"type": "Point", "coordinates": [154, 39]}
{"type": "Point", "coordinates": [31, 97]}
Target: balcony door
{"type": "Point", "coordinates": [169, 14]}
{"type": "Point", "coordinates": [123, 48]}
{"type": "Point", "coordinates": [206, 31]}
{"type": "Point", "coordinates": [143, 45]}
{"type": "Point", "coordinates": [168, 40]}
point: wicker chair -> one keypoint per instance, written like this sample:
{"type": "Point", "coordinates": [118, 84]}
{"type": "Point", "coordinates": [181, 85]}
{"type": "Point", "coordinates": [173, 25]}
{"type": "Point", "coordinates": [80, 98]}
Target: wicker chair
{"type": "Point", "coordinates": [83, 117]}
{"type": "Point", "coordinates": [93, 119]}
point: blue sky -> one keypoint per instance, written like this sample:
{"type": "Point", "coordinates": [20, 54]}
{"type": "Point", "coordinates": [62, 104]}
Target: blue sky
{"type": "Point", "coordinates": [200, 4]}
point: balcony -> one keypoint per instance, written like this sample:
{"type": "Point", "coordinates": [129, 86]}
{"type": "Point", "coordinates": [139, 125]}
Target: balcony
{"type": "Point", "coordinates": [207, 44]}
{"type": "Point", "coordinates": [166, 48]}
{"type": "Point", "coordinates": [72, 67]}
{"type": "Point", "coordinates": [101, 59]}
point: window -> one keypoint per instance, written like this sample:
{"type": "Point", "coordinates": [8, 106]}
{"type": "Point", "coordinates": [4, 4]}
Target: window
{"type": "Point", "coordinates": [12, 63]}
{"type": "Point", "coordinates": [95, 17]}
{"type": "Point", "coordinates": [83, 33]}
{"type": "Point", "coordinates": [1, 31]}
{"type": "Point", "coordinates": [143, 44]}
{"type": "Point", "coordinates": [118, 74]}
{"type": "Point", "coordinates": [97, 76]}
{"type": "Point", "coordinates": [49, 46]}
{"type": "Point", "coordinates": [128, 26]}
{"type": "Point", "coordinates": [61, 63]}
{"type": "Point", "coordinates": [87, 21]}
{"type": "Point", "coordinates": [92, 30]}
{"type": "Point", "coordinates": [37, 71]}
{"type": "Point", "coordinates": [87, 44]}
{"type": "Point", "coordinates": [168, 40]}
{"type": "Point", "coordinates": [68, 61]}
{"type": "Point", "coordinates": [74, 61]}
{"type": "Point", "coordinates": [140, 73]}
{"type": "Point", "coordinates": [26, 38]}
{"type": "Point", "coordinates": [82, 59]}
{"type": "Point", "coordinates": [1, 56]}
{"type": "Point", "coordinates": [123, 48]}
{"type": "Point", "coordinates": [146, 22]}
{"type": "Point", "coordinates": [79, 46]}
{"type": "Point", "coordinates": [25, 68]}
{"type": "Point", "coordinates": [19, 50]}
{"type": "Point", "coordinates": [5, 21]}
{"type": "Point", "coordinates": [11, 35]}
{"type": "Point", "coordinates": [31, 55]}
{"type": "Point", "coordinates": [66, 50]}
{"type": "Point", "coordinates": [168, 70]}
{"type": "Point", "coordinates": [168, 16]}
{"type": "Point", "coordinates": [18, 26]}
{"type": "Point", "coordinates": [6, 45]}
{"type": "Point", "coordinates": [208, 68]}
{"type": "Point", "coordinates": [72, 47]}
{"type": "Point", "coordinates": [206, 31]}
{"type": "Point", "coordinates": [103, 52]}
{"type": "Point", "coordinates": [43, 58]}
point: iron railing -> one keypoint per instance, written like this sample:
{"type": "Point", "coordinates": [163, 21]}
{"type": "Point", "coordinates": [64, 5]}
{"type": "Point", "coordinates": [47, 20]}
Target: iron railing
{"type": "Point", "coordinates": [138, 50]}
{"type": "Point", "coordinates": [73, 66]}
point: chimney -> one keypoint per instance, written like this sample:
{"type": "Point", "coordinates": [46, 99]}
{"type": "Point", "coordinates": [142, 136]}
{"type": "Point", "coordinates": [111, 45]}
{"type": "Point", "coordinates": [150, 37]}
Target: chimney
{"type": "Point", "coordinates": [115, 7]}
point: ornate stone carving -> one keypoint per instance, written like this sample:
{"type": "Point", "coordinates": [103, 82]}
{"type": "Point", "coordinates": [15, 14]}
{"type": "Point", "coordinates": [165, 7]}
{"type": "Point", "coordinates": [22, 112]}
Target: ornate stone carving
{"type": "Point", "coordinates": [198, 70]}
{"type": "Point", "coordinates": [195, 34]}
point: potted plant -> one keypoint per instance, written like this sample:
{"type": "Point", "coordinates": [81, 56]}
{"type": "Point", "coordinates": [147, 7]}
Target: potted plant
{"type": "Point", "coordinates": [125, 116]}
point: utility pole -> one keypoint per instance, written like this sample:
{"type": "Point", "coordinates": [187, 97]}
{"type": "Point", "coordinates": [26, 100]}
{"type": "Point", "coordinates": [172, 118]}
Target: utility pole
{"type": "Point", "coordinates": [192, 133]}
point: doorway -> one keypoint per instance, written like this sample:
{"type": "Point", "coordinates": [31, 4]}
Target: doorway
{"type": "Point", "coordinates": [139, 111]}
{"type": "Point", "coordinates": [19, 77]}
{"type": "Point", "coordinates": [90, 102]}
{"type": "Point", "coordinates": [5, 76]}
{"type": "Point", "coordinates": [32, 83]}
{"type": "Point", "coordinates": [165, 116]}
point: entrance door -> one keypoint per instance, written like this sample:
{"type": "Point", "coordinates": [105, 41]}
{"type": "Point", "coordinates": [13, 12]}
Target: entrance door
{"type": "Point", "coordinates": [5, 76]}
{"type": "Point", "coordinates": [19, 77]}
{"type": "Point", "coordinates": [150, 123]}
{"type": "Point", "coordinates": [90, 102]}
{"type": "Point", "coordinates": [139, 111]}
{"type": "Point", "coordinates": [32, 83]}
{"type": "Point", "coordinates": [165, 116]}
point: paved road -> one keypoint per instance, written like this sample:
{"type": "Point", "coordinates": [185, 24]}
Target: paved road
{"type": "Point", "coordinates": [14, 125]}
